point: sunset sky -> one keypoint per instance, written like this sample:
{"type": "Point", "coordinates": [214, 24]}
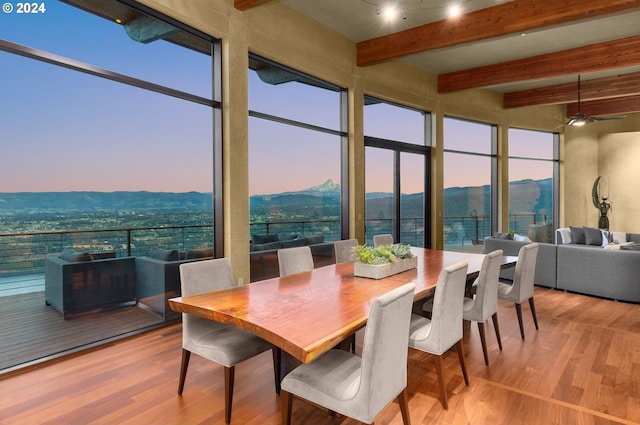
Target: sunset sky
{"type": "Point", "coordinates": [62, 130]}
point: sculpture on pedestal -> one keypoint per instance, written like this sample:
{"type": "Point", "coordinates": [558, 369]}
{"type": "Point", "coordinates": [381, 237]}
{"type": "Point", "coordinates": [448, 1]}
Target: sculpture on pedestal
{"type": "Point", "coordinates": [602, 205]}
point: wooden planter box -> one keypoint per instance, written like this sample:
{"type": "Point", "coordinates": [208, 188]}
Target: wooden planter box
{"type": "Point", "coordinates": [379, 271]}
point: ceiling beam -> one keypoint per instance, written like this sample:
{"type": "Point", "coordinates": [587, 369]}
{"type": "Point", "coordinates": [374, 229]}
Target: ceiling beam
{"type": "Point", "coordinates": [624, 52]}
{"type": "Point", "coordinates": [620, 105]}
{"type": "Point", "coordinates": [248, 4]}
{"type": "Point", "coordinates": [601, 88]}
{"type": "Point", "coordinates": [513, 17]}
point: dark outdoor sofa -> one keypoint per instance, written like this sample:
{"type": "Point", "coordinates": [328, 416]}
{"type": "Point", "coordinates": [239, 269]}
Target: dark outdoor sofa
{"type": "Point", "coordinates": [158, 278]}
{"type": "Point", "coordinates": [76, 282]}
{"type": "Point", "coordinates": [263, 254]}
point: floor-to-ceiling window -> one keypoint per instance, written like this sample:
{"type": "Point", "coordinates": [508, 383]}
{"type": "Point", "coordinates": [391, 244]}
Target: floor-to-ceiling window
{"type": "Point", "coordinates": [297, 162]}
{"type": "Point", "coordinates": [470, 200]}
{"type": "Point", "coordinates": [108, 117]}
{"type": "Point", "coordinates": [397, 155]}
{"type": "Point", "coordinates": [533, 183]}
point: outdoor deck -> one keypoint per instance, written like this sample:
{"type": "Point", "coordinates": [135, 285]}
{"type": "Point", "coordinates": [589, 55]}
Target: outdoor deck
{"type": "Point", "coordinates": [31, 330]}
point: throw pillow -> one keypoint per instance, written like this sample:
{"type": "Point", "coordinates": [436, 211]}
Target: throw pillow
{"type": "Point", "coordinates": [165, 254]}
{"type": "Point", "coordinates": [73, 256]}
{"type": "Point", "coordinates": [292, 243]}
{"type": "Point", "coordinates": [592, 236]}
{"type": "Point", "coordinates": [267, 246]}
{"type": "Point", "coordinates": [268, 238]}
{"type": "Point", "coordinates": [633, 237]}
{"type": "Point", "coordinates": [312, 240]}
{"type": "Point", "coordinates": [500, 235]}
{"type": "Point", "coordinates": [199, 253]}
{"type": "Point", "coordinates": [577, 235]}
{"type": "Point", "coordinates": [520, 238]}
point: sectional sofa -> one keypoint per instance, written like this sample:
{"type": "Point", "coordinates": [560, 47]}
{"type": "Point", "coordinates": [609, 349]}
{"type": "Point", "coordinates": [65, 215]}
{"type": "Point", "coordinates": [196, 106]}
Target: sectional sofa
{"type": "Point", "coordinates": [608, 269]}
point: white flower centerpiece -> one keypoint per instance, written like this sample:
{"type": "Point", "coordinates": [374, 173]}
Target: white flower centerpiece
{"type": "Point", "coordinates": [383, 261]}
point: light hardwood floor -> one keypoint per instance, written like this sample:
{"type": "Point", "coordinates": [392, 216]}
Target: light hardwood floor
{"type": "Point", "coordinates": [581, 367]}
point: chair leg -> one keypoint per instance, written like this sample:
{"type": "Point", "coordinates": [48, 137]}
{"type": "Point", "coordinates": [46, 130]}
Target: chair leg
{"type": "Point", "coordinates": [229, 375]}
{"type": "Point", "coordinates": [287, 400]}
{"type": "Point", "coordinates": [443, 390]}
{"type": "Point", "coordinates": [533, 312]}
{"type": "Point", "coordinates": [519, 313]}
{"type": "Point", "coordinates": [463, 365]}
{"type": "Point", "coordinates": [496, 327]}
{"type": "Point", "coordinates": [277, 355]}
{"type": "Point", "coordinates": [186, 355]}
{"type": "Point", "coordinates": [404, 407]}
{"type": "Point", "coordinates": [483, 341]}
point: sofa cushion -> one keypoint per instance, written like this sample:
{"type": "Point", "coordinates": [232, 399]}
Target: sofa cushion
{"type": "Point", "coordinates": [199, 253]}
{"type": "Point", "coordinates": [288, 237]}
{"type": "Point", "coordinates": [633, 237]}
{"type": "Point", "coordinates": [293, 243]}
{"type": "Point", "coordinates": [592, 236]}
{"type": "Point", "coordinates": [71, 255]}
{"type": "Point", "coordinates": [267, 246]}
{"type": "Point", "coordinates": [312, 240]}
{"type": "Point", "coordinates": [577, 235]}
{"type": "Point", "coordinates": [165, 254]}
{"type": "Point", "coordinates": [268, 238]}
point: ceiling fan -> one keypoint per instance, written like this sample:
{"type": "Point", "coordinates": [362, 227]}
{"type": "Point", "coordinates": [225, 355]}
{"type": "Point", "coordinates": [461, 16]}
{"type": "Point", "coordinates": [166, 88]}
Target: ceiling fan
{"type": "Point", "coordinates": [580, 118]}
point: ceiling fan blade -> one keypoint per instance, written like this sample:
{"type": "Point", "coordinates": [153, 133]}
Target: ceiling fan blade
{"type": "Point", "coordinates": [613, 117]}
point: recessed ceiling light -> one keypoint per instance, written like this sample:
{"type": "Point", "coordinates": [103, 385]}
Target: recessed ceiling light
{"type": "Point", "coordinates": [454, 11]}
{"type": "Point", "coordinates": [389, 12]}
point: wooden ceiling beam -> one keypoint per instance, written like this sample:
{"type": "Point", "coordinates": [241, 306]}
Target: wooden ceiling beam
{"type": "Point", "coordinates": [513, 17]}
{"type": "Point", "coordinates": [624, 52]}
{"type": "Point", "coordinates": [601, 88]}
{"type": "Point", "coordinates": [248, 4]}
{"type": "Point", "coordinates": [603, 107]}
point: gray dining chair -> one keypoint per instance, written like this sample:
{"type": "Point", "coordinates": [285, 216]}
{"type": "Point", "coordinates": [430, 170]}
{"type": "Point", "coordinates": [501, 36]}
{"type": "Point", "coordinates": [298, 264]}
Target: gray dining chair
{"type": "Point", "coordinates": [444, 330]}
{"type": "Point", "coordinates": [360, 387]}
{"type": "Point", "coordinates": [484, 303]}
{"type": "Point", "coordinates": [295, 260]}
{"type": "Point", "coordinates": [221, 343]}
{"type": "Point", "coordinates": [522, 287]}
{"type": "Point", "coordinates": [384, 239]}
{"type": "Point", "coordinates": [344, 250]}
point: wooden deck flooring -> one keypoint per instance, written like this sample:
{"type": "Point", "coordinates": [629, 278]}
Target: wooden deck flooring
{"type": "Point", "coordinates": [30, 330]}
{"type": "Point", "coordinates": [581, 367]}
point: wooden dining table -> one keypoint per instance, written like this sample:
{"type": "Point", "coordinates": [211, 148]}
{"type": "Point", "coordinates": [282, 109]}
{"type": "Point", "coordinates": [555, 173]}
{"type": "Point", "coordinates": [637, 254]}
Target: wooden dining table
{"type": "Point", "coordinates": [307, 314]}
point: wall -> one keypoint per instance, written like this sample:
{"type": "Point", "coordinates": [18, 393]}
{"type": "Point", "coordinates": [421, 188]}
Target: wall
{"type": "Point", "coordinates": [285, 36]}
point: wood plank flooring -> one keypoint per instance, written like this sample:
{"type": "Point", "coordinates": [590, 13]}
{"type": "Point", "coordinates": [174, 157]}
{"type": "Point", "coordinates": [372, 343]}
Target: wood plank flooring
{"type": "Point", "coordinates": [30, 330]}
{"type": "Point", "coordinates": [581, 367]}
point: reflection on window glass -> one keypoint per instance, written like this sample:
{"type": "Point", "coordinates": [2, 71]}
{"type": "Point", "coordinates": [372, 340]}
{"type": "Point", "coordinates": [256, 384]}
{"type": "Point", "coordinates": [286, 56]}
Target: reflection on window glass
{"type": "Point", "coordinates": [412, 199]}
{"type": "Point", "coordinates": [385, 121]}
{"type": "Point", "coordinates": [467, 183]}
{"type": "Point", "coordinates": [380, 212]}
{"type": "Point", "coordinates": [279, 92]}
{"type": "Point", "coordinates": [138, 46]}
{"type": "Point", "coordinates": [294, 168]}
{"type": "Point", "coordinates": [531, 184]}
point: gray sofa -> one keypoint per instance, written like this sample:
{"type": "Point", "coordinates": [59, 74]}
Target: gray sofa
{"type": "Point", "coordinates": [76, 282]}
{"type": "Point", "coordinates": [609, 272]}
{"type": "Point", "coordinates": [158, 278]}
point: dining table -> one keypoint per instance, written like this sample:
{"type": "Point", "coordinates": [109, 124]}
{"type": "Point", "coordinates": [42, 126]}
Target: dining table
{"type": "Point", "coordinates": [307, 314]}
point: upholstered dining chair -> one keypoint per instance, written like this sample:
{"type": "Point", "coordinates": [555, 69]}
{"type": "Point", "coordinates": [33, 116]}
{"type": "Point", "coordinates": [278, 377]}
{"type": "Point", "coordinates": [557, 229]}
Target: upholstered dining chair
{"type": "Point", "coordinates": [344, 250]}
{"type": "Point", "coordinates": [484, 303]}
{"type": "Point", "coordinates": [222, 343]}
{"type": "Point", "coordinates": [444, 329]}
{"type": "Point", "coordinates": [360, 387]}
{"type": "Point", "coordinates": [522, 287]}
{"type": "Point", "coordinates": [384, 239]}
{"type": "Point", "coordinates": [295, 260]}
